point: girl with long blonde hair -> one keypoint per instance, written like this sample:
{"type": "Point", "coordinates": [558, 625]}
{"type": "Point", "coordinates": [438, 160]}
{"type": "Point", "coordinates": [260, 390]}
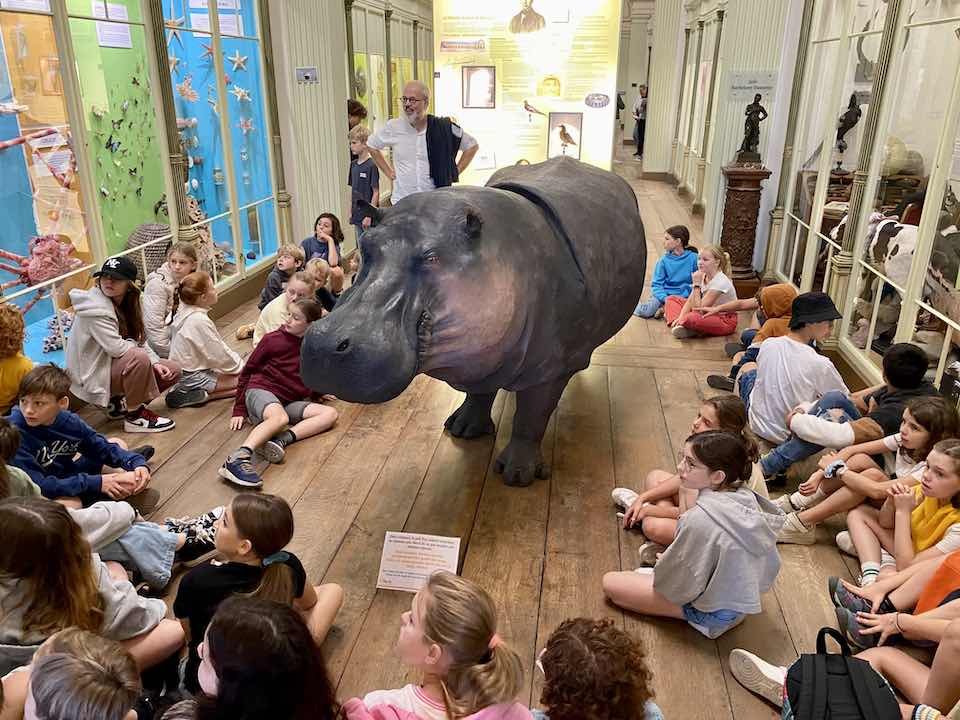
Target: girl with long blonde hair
{"type": "Point", "coordinates": [711, 286]}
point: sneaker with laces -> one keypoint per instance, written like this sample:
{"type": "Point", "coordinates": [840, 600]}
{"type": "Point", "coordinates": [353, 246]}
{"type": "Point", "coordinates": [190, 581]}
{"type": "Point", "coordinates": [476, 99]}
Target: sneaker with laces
{"type": "Point", "coordinates": [721, 382]}
{"type": "Point", "coordinates": [648, 553]}
{"type": "Point", "coordinates": [117, 407]}
{"type": "Point", "coordinates": [795, 532]}
{"type": "Point", "coordinates": [145, 420]}
{"type": "Point", "coordinates": [841, 597]}
{"type": "Point", "coordinates": [239, 471]}
{"type": "Point", "coordinates": [623, 498]}
{"type": "Point", "coordinates": [272, 451]}
{"type": "Point", "coordinates": [682, 333]}
{"type": "Point", "coordinates": [205, 522]}
{"type": "Point", "coordinates": [783, 502]}
{"type": "Point", "coordinates": [180, 397]}
{"type": "Point", "coordinates": [850, 627]}
{"type": "Point", "coordinates": [758, 676]}
{"type": "Point", "coordinates": [845, 543]}
{"type": "Point", "coordinates": [198, 547]}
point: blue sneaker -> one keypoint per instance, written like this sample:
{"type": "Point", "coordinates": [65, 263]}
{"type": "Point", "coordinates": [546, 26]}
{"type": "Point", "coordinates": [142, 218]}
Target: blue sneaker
{"type": "Point", "coordinates": [239, 471]}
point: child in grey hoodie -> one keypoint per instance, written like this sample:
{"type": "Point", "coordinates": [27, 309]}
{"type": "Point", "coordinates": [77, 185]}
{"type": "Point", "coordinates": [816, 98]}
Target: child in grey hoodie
{"type": "Point", "coordinates": [724, 556]}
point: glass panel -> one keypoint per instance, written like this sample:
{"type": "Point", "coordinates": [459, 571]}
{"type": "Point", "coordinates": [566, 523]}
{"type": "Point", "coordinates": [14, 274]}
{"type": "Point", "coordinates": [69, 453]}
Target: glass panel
{"type": "Point", "coordinates": [791, 259]}
{"type": "Point", "coordinates": [259, 226]}
{"type": "Point", "coordinates": [237, 17]}
{"type": "Point", "coordinates": [122, 129]}
{"type": "Point", "coordinates": [221, 233]}
{"type": "Point", "coordinates": [828, 20]}
{"type": "Point", "coordinates": [378, 93]}
{"type": "Point", "coordinates": [122, 10]}
{"type": "Point", "coordinates": [868, 16]}
{"type": "Point", "coordinates": [40, 194]}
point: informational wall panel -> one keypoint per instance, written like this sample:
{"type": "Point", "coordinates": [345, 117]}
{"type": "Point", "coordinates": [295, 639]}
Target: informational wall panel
{"type": "Point", "coordinates": [530, 79]}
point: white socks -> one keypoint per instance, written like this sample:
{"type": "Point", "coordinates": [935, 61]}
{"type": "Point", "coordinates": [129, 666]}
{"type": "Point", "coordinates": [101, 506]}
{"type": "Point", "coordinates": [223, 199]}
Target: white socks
{"type": "Point", "coordinates": [868, 573]}
{"type": "Point", "coordinates": [802, 502]}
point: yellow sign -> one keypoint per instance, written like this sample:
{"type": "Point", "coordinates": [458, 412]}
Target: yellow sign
{"type": "Point", "coordinates": [530, 79]}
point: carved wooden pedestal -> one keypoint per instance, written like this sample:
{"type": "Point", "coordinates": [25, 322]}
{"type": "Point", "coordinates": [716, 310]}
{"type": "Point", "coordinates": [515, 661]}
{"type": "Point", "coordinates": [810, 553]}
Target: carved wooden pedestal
{"type": "Point", "coordinates": [740, 210]}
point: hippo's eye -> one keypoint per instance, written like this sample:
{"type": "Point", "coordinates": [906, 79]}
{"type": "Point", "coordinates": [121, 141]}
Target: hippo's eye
{"type": "Point", "coordinates": [431, 260]}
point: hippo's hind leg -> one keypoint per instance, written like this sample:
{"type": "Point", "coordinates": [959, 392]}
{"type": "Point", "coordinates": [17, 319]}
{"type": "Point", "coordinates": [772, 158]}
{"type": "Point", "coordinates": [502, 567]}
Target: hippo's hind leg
{"type": "Point", "coordinates": [472, 419]}
{"type": "Point", "coordinates": [521, 462]}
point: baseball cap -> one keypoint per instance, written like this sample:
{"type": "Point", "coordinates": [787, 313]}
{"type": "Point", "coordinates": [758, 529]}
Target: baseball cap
{"type": "Point", "coordinates": [120, 267]}
{"type": "Point", "coordinates": [812, 307]}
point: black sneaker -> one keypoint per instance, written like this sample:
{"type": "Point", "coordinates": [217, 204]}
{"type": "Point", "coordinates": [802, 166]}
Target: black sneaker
{"type": "Point", "coordinates": [732, 348]}
{"type": "Point", "coordinates": [180, 397]}
{"type": "Point", "coordinates": [117, 407]}
{"type": "Point", "coordinates": [721, 382]}
{"type": "Point", "coordinates": [199, 546]}
{"type": "Point", "coordinates": [205, 522]}
{"type": "Point", "coordinates": [144, 450]}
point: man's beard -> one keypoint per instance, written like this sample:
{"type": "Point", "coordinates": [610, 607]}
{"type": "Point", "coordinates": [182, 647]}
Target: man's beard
{"type": "Point", "coordinates": [412, 117]}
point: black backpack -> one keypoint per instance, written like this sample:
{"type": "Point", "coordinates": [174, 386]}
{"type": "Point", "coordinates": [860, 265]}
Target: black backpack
{"type": "Point", "coordinates": [838, 687]}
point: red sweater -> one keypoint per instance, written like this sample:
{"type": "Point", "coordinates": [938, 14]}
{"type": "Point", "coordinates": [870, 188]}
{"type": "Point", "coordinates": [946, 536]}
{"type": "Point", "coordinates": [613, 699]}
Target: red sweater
{"type": "Point", "coordinates": [274, 366]}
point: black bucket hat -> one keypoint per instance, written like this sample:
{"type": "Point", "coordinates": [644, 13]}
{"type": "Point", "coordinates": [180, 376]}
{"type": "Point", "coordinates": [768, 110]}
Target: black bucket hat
{"type": "Point", "coordinates": [812, 307]}
{"type": "Point", "coordinates": [120, 268]}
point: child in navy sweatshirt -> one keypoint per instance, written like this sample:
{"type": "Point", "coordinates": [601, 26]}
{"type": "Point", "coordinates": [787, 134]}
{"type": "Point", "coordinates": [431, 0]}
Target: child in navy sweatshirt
{"type": "Point", "coordinates": [271, 394]}
{"type": "Point", "coordinates": [52, 438]}
{"type": "Point", "coordinates": [673, 272]}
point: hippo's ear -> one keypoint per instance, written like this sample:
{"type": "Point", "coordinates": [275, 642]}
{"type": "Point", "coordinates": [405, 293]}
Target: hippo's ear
{"type": "Point", "coordinates": [471, 223]}
{"type": "Point", "coordinates": [368, 210]}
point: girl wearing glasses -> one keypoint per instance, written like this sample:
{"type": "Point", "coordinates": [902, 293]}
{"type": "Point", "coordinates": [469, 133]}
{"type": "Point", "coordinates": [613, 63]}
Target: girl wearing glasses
{"type": "Point", "coordinates": [724, 556]}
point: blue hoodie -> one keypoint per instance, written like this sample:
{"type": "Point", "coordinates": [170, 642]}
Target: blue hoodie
{"type": "Point", "coordinates": [46, 454]}
{"type": "Point", "coordinates": [672, 275]}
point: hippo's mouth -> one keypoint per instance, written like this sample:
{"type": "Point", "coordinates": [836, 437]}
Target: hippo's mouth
{"type": "Point", "coordinates": [424, 335]}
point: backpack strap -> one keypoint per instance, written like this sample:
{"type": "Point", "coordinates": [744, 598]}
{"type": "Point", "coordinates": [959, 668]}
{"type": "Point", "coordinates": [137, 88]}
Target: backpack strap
{"type": "Point", "coordinates": [812, 701]}
{"type": "Point", "coordinates": [836, 635]}
{"type": "Point", "coordinates": [869, 696]}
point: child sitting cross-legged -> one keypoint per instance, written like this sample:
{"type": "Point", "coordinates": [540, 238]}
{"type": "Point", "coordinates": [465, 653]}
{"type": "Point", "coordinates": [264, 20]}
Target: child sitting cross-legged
{"type": "Point", "coordinates": [593, 670]}
{"type": "Point", "coordinates": [13, 363]}
{"type": "Point", "coordinates": [710, 286]}
{"type": "Point", "coordinates": [250, 536]}
{"type": "Point", "coordinates": [209, 368]}
{"type": "Point", "coordinates": [449, 637]}
{"type": "Point", "coordinates": [301, 285]}
{"type": "Point", "coordinates": [76, 675]}
{"type": "Point", "coordinates": [724, 555]}
{"type": "Point", "coordinates": [63, 455]}
{"type": "Point", "coordinates": [672, 273]}
{"type": "Point", "coordinates": [656, 510]}
{"type": "Point", "coordinates": [50, 580]}
{"type": "Point", "coordinates": [290, 259]}
{"type": "Point", "coordinates": [851, 476]}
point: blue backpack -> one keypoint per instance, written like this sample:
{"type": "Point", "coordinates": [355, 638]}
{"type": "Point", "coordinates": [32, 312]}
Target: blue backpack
{"type": "Point", "coordinates": [836, 687]}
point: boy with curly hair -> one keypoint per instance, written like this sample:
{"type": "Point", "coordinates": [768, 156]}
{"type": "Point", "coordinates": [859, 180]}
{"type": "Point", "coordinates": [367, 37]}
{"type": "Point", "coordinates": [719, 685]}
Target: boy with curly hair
{"type": "Point", "coordinates": [593, 670]}
{"type": "Point", "coordinates": [13, 363]}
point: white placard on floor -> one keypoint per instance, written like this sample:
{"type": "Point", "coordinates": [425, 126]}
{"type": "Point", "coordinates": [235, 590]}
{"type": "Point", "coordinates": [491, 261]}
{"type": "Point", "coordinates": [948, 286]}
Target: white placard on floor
{"type": "Point", "coordinates": [409, 559]}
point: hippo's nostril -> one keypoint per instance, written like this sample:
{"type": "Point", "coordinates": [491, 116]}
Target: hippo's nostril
{"type": "Point", "coordinates": [342, 347]}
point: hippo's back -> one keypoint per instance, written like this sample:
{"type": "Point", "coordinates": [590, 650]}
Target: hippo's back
{"type": "Point", "coordinates": [595, 212]}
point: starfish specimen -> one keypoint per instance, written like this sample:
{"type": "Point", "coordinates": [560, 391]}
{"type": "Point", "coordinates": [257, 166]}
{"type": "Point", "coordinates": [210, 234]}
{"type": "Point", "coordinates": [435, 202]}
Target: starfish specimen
{"type": "Point", "coordinates": [173, 61]}
{"type": "Point", "coordinates": [207, 51]}
{"type": "Point", "coordinates": [174, 26]}
{"type": "Point", "coordinates": [246, 125]}
{"type": "Point", "coordinates": [212, 101]}
{"type": "Point", "coordinates": [238, 61]}
{"type": "Point", "coordinates": [186, 91]}
{"type": "Point", "coordinates": [241, 94]}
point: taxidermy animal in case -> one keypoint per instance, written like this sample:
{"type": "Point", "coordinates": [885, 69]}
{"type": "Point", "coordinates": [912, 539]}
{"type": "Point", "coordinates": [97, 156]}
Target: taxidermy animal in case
{"type": "Point", "coordinates": [512, 286]}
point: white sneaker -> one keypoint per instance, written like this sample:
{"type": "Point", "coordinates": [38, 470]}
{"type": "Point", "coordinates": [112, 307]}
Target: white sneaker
{"type": "Point", "coordinates": [845, 543]}
{"type": "Point", "coordinates": [648, 553]}
{"type": "Point", "coordinates": [623, 498]}
{"type": "Point", "coordinates": [144, 420]}
{"type": "Point", "coordinates": [795, 532]}
{"type": "Point", "coordinates": [713, 632]}
{"type": "Point", "coordinates": [758, 676]}
{"type": "Point", "coordinates": [783, 502]}
{"type": "Point", "coordinates": [682, 333]}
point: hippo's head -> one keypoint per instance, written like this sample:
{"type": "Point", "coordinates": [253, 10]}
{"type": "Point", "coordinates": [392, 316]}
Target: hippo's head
{"type": "Point", "coordinates": [434, 295]}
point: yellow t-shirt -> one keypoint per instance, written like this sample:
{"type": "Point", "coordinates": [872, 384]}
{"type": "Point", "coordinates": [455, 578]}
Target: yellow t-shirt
{"type": "Point", "coordinates": [12, 370]}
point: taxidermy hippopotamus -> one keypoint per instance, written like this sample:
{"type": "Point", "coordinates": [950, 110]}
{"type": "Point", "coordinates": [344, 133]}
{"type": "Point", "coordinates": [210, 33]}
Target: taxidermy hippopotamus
{"type": "Point", "coordinates": [512, 286]}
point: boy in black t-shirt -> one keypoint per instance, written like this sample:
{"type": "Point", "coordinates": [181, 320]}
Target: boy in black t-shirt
{"type": "Point", "coordinates": [364, 179]}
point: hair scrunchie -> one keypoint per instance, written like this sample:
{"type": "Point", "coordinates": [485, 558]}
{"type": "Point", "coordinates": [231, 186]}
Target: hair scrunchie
{"type": "Point", "coordinates": [281, 556]}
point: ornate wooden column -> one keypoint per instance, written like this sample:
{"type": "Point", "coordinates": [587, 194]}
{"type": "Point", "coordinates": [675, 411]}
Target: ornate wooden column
{"type": "Point", "coordinates": [387, 15]}
{"type": "Point", "coordinates": [740, 211]}
{"type": "Point", "coordinates": [684, 170]}
{"type": "Point", "coordinates": [842, 261]}
{"type": "Point", "coordinates": [676, 124]}
{"type": "Point", "coordinates": [270, 85]}
{"type": "Point", "coordinates": [698, 201]}
{"type": "Point", "coordinates": [351, 69]}
{"type": "Point", "coordinates": [156, 26]}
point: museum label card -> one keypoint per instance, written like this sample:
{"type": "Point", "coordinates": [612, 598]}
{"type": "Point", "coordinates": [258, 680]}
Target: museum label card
{"type": "Point", "coordinates": [409, 559]}
{"type": "Point", "coordinates": [33, 5]}
{"type": "Point", "coordinates": [112, 35]}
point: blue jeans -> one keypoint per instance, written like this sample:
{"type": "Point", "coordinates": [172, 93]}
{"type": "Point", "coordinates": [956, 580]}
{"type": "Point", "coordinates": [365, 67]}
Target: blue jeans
{"type": "Point", "coordinates": [146, 548]}
{"type": "Point", "coordinates": [747, 381]}
{"type": "Point", "coordinates": [747, 336]}
{"type": "Point", "coordinates": [649, 308]}
{"type": "Point", "coordinates": [834, 406]}
{"type": "Point", "coordinates": [749, 355]}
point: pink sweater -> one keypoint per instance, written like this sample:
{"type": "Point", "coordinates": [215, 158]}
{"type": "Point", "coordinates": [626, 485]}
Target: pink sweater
{"type": "Point", "coordinates": [356, 710]}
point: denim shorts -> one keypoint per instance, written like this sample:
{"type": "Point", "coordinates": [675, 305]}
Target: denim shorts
{"type": "Point", "coordinates": [713, 622]}
{"type": "Point", "coordinates": [147, 548]}
{"type": "Point", "coordinates": [258, 399]}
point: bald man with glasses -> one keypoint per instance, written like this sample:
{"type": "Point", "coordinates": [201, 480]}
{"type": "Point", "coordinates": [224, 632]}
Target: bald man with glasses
{"type": "Point", "coordinates": [425, 147]}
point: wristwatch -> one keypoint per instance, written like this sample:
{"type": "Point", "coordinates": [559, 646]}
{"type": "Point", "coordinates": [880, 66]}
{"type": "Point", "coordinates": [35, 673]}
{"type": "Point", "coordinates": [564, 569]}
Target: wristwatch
{"type": "Point", "coordinates": [835, 469]}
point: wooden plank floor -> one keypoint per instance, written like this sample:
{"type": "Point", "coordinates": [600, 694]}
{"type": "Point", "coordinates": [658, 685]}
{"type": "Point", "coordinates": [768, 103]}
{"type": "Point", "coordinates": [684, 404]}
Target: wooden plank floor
{"type": "Point", "coordinates": [540, 551]}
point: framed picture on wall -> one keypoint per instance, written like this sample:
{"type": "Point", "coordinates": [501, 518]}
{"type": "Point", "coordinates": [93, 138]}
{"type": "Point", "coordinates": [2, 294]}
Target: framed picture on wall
{"type": "Point", "coordinates": [564, 130]}
{"type": "Point", "coordinates": [479, 86]}
{"type": "Point", "coordinates": [50, 81]}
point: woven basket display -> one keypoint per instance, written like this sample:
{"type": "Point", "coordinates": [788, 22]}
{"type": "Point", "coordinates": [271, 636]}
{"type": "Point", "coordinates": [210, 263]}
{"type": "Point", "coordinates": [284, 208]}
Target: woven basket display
{"type": "Point", "coordinates": [155, 254]}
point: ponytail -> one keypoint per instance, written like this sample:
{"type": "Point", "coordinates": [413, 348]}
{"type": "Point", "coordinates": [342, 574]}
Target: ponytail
{"type": "Point", "coordinates": [732, 418]}
{"type": "Point", "coordinates": [722, 256]}
{"type": "Point", "coordinates": [190, 290]}
{"type": "Point", "coordinates": [723, 451]}
{"type": "Point", "coordinates": [461, 618]}
{"type": "Point", "coordinates": [266, 521]}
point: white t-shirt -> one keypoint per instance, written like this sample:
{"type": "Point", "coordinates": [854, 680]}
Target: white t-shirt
{"type": "Point", "coordinates": [722, 284]}
{"type": "Point", "coordinates": [410, 160]}
{"type": "Point", "coordinates": [950, 540]}
{"type": "Point", "coordinates": [788, 373]}
{"type": "Point", "coordinates": [903, 464]}
{"type": "Point", "coordinates": [410, 698]}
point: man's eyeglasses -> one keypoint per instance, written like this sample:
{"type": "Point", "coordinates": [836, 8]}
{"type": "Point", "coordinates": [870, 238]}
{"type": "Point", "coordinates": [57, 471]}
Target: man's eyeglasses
{"type": "Point", "coordinates": [411, 100]}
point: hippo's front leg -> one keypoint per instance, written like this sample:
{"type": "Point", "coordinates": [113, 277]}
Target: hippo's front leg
{"type": "Point", "coordinates": [521, 461]}
{"type": "Point", "coordinates": [472, 419]}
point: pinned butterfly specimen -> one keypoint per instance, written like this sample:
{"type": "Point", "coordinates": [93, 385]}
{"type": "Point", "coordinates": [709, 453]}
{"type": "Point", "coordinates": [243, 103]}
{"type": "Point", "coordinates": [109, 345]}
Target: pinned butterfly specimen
{"type": "Point", "coordinates": [98, 112]}
{"type": "Point", "coordinates": [139, 191]}
{"type": "Point", "coordinates": [135, 80]}
{"type": "Point", "coordinates": [117, 124]}
{"type": "Point", "coordinates": [104, 191]}
{"type": "Point", "coordinates": [132, 171]}
{"type": "Point", "coordinates": [112, 145]}
{"type": "Point", "coordinates": [125, 106]}
{"type": "Point", "coordinates": [186, 91]}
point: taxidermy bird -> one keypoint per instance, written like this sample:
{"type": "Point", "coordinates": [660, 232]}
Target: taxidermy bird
{"type": "Point", "coordinates": [847, 121]}
{"type": "Point", "coordinates": [565, 138]}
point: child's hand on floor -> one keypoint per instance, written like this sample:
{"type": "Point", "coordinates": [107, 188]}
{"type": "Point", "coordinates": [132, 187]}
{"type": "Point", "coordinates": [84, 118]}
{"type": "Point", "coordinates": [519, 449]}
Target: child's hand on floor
{"type": "Point", "coordinates": [812, 484]}
{"type": "Point", "coordinates": [236, 423]}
